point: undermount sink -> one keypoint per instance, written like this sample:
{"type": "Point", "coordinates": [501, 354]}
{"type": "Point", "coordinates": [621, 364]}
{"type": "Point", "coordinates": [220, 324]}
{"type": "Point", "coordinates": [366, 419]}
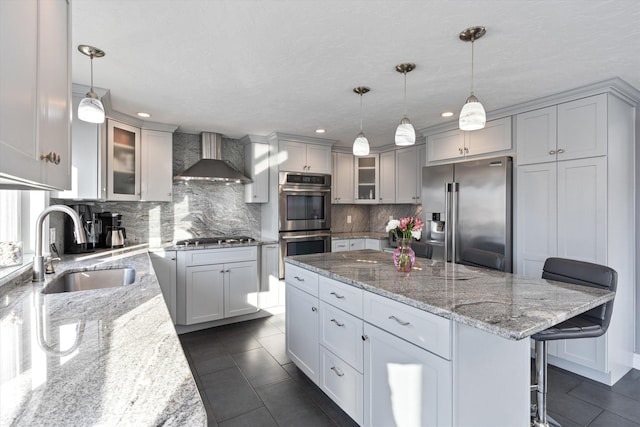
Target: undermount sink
{"type": "Point", "coordinates": [91, 279]}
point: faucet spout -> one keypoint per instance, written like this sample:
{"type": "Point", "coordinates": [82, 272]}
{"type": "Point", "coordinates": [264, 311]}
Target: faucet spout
{"type": "Point", "coordinates": [38, 259]}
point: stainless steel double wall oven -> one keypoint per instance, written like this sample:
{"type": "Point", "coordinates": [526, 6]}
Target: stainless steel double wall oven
{"type": "Point", "coordinates": [304, 207]}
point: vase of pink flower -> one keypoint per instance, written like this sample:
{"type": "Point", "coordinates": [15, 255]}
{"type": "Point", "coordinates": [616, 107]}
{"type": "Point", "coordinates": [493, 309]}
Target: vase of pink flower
{"type": "Point", "coordinates": [405, 229]}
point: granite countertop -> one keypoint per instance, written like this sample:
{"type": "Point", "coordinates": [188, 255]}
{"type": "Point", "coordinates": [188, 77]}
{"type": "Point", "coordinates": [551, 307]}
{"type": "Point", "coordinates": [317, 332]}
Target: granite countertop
{"type": "Point", "coordinates": [99, 357]}
{"type": "Point", "coordinates": [361, 235]}
{"type": "Point", "coordinates": [171, 246]}
{"type": "Point", "coordinates": [504, 304]}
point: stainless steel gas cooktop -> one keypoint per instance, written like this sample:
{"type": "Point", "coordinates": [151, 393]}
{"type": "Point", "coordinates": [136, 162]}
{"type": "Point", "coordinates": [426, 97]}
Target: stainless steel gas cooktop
{"type": "Point", "coordinates": [196, 241]}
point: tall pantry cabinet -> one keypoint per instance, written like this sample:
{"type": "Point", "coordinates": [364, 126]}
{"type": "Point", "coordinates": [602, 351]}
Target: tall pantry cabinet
{"type": "Point", "coordinates": [575, 199]}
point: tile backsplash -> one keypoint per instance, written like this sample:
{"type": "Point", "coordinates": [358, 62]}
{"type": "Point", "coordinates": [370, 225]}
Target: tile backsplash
{"type": "Point", "coordinates": [368, 217]}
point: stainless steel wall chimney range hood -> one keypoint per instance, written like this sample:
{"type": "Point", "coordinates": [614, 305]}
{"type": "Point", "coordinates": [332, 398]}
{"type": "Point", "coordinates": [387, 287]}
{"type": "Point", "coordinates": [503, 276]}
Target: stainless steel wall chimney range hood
{"type": "Point", "coordinates": [211, 167]}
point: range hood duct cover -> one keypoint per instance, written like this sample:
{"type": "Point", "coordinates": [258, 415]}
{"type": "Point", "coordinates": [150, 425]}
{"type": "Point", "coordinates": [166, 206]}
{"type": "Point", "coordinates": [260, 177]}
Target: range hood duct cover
{"type": "Point", "coordinates": [211, 167]}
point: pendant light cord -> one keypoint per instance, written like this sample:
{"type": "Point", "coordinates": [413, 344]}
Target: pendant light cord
{"type": "Point", "coordinates": [405, 93]}
{"type": "Point", "coordinates": [361, 113]}
{"type": "Point", "coordinates": [91, 56]}
{"type": "Point", "coordinates": [472, 48]}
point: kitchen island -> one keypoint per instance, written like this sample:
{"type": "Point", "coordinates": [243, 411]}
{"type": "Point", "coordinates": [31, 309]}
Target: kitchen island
{"type": "Point", "coordinates": [98, 357]}
{"type": "Point", "coordinates": [443, 345]}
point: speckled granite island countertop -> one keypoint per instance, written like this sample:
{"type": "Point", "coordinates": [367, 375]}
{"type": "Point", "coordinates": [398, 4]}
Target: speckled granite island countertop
{"type": "Point", "coordinates": [361, 235]}
{"type": "Point", "coordinates": [106, 357]}
{"type": "Point", "coordinates": [504, 304]}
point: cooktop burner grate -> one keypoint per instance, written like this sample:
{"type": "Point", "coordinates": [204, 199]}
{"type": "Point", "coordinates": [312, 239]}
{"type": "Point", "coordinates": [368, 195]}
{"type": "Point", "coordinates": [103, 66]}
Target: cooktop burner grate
{"type": "Point", "coordinates": [215, 240]}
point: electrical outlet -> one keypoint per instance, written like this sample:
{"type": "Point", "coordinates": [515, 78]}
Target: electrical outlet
{"type": "Point", "coordinates": [348, 219]}
{"type": "Point", "coordinates": [390, 217]}
{"type": "Point", "coordinates": [52, 235]}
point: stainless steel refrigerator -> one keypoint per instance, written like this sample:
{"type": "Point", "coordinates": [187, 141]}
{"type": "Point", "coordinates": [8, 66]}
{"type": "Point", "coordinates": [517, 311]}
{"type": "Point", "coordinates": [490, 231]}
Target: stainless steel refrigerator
{"type": "Point", "coordinates": [467, 212]}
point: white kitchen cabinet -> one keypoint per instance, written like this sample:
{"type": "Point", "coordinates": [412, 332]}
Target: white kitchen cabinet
{"type": "Point", "coordinates": [342, 179]}
{"type": "Point", "coordinates": [409, 162]}
{"type": "Point", "coordinates": [35, 92]}
{"type": "Point", "coordinates": [375, 244]}
{"type": "Point", "coordinates": [123, 161]}
{"type": "Point", "coordinates": [302, 330]}
{"type": "Point", "coordinates": [339, 245]}
{"type": "Point", "coordinates": [571, 130]}
{"type": "Point", "coordinates": [164, 265]}
{"type": "Point", "coordinates": [156, 168]}
{"type": "Point", "coordinates": [240, 288]}
{"type": "Point", "coordinates": [216, 283]}
{"type": "Point", "coordinates": [356, 244]}
{"type": "Point", "coordinates": [304, 157]}
{"type": "Point", "coordinates": [366, 179]}
{"type": "Point", "coordinates": [341, 333]}
{"type": "Point", "coordinates": [343, 245]}
{"type": "Point", "coordinates": [269, 277]}
{"type": "Point", "coordinates": [582, 209]}
{"type": "Point", "coordinates": [256, 167]}
{"type": "Point", "coordinates": [387, 177]}
{"type": "Point", "coordinates": [342, 383]}
{"type": "Point", "coordinates": [456, 144]}
{"type": "Point", "coordinates": [404, 385]}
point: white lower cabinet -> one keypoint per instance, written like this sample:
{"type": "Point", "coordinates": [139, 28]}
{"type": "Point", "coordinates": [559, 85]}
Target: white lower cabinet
{"type": "Point", "coordinates": [404, 384]}
{"type": "Point", "coordinates": [302, 330]}
{"type": "Point", "coordinates": [342, 383]}
{"type": "Point", "coordinates": [269, 277]}
{"type": "Point", "coordinates": [213, 284]}
{"type": "Point", "coordinates": [164, 265]}
{"type": "Point", "coordinates": [343, 245]}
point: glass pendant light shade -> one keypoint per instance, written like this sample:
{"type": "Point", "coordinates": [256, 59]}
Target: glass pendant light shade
{"type": "Point", "coordinates": [405, 133]}
{"type": "Point", "coordinates": [472, 115]}
{"type": "Point", "coordinates": [361, 145]}
{"type": "Point", "coordinates": [91, 109]}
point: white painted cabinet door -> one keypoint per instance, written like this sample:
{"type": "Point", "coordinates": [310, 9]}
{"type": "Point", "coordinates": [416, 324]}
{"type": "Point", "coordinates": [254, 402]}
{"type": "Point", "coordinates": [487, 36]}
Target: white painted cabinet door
{"type": "Point", "coordinates": [269, 277]}
{"type": "Point", "coordinates": [404, 385]}
{"type": "Point", "coordinates": [387, 178]}
{"type": "Point", "coordinates": [157, 166]}
{"type": "Point", "coordinates": [240, 288]}
{"type": "Point", "coordinates": [356, 244]}
{"type": "Point", "coordinates": [406, 172]}
{"type": "Point", "coordinates": [342, 179]}
{"type": "Point", "coordinates": [204, 293]}
{"type": "Point", "coordinates": [256, 167]}
{"type": "Point", "coordinates": [536, 207]}
{"type": "Point", "coordinates": [341, 245]}
{"type": "Point", "coordinates": [54, 91]}
{"type": "Point", "coordinates": [494, 137]}
{"type": "Point", "coordinates": [536, 136]}
{"type": "Point", "coordinates": [367, 179]}
{"type": "Point", "coordinates": [318, 158]}
{"type": "Point", "coordinates": [375, 244]}
{"type": "Point", "coordinates": [292, 156]}
{"type": "Point", "coordinates": [582, 128]}
{"type": "Point", "coordinates": [123, 161]}
{"type": "Point", "coordinates": [302, 331]}
{"type": "Point", "coordinates": [18, 71]}
{"type": "Point", "coordinates": [582, 209]}
{"type": "Point", "coordinates": [445, 145]}
{"type": "Point", "coordinates": [422, 161]}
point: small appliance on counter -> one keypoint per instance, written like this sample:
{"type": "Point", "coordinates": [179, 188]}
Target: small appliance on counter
{"type": "Point", "coordinates": [91, 227]}
{"type": "Point", "coordinates": [113, 233]}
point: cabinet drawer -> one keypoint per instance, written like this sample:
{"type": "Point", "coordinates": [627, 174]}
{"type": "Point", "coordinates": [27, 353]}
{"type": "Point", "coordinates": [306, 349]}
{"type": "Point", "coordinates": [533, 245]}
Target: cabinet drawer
{"type": "Point", "coordinates": [220, 256]}
{"type": "Point", "coordinates": [340, 245]}
{"type": "Point", "coordinates": [342, 334]}
{"type": "Point", "coordinates": [416, 326]}
{"type": "Point", "coordinates": [342, 384]}
{"type": "Point", "coordinates": [341, 295]}
{"type": "Point", "coordinates": [302, 279]}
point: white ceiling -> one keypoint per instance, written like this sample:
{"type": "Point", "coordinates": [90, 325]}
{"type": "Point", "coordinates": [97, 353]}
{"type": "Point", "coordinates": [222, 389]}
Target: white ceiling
{"type": "Point", "coordinates": [242, 67]}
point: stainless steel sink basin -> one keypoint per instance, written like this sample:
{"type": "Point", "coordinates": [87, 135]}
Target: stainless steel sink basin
{"type": "Point", "coordinates": [93, 279]}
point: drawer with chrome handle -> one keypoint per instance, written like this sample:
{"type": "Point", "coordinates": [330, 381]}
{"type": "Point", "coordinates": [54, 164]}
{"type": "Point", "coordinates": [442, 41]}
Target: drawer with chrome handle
{"type": "Point", "coordinates": [342, 383]}
{"type": "Point", "coordinates": [419, 327]}
{"type": "Point", "coordinates": [341, 333]}
{"type": "Point", "coordinates": [302, 279]}
{"type": "Point", "coordinates": [341, 295]}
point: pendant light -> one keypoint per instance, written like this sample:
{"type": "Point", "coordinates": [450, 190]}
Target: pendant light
{"type": "Point", "coordinates": [91, 109]}
{"type": "Point", "coordinates": [405, 133]}
{"type": "Point", "coordinates": [361, 144]}
{"type": "Point", "coordinates": [472, 115]}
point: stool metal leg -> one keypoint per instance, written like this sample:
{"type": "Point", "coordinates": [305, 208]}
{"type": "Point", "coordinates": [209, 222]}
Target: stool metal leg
{"type": "Point", "coordinates": [540, 419]}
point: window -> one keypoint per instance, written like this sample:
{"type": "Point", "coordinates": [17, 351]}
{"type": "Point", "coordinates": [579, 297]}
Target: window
{"type": "Point", "coordinates": [18, 213]}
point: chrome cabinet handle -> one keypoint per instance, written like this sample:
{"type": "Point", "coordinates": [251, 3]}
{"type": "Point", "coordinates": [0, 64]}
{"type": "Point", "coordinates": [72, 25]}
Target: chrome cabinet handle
{"type": "Point", "coordinates": [365, 337]}
{"type": "Point", "coordinates": [560, 151]}
{"type": "Point", "coordinates": [399, 321]}
{"type": "Point", "coordinates": [337, 371]}
{"type": "Point", "coordinates": [466, 150]}
{"type": "Point", "coordinates": [337, 296]}
{"type": "Point", "coordinates": [552, 151]}
{"type": "Point", "coordinates": [460, 150]}
{"type": "Point", "coordinates": [51, 157]}
{"type": "Point", "coordinates": [298, 279]}
{"type": "Point", "coordinates": [314, 309]}
{"type": "Point", "coordinates": [337, 323]}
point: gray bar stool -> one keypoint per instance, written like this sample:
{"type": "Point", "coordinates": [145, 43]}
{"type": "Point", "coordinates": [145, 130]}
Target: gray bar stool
{"type": "Point", "coordinates": [481, 258]}
{"type": "Point", "coordinates": [592, 323]}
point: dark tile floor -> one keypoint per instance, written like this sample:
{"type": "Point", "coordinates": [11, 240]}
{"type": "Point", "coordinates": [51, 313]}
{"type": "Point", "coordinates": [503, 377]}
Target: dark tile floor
{"type": "Point", "coordinates": [246, 379]}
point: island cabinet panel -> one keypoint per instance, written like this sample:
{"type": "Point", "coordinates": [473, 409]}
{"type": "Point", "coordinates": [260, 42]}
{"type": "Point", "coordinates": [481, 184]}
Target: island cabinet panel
{"type": "Point", "coordinates": [423, 329]}
{"type": "Point", "coordinates": [302, 330]}
{"type": "Point", "coordinates": [404, 385]}
{"type": "Point", "coordinates": [303, 279]}
{"type": "Point", "coordinates": [341, 333]}
{"type": "Point", "coordinates": [342, 384]}
{"type": "Point", "coordinates": [341, 295]}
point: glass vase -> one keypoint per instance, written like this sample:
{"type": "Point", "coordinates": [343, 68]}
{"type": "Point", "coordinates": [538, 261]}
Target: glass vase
{"type": "Point", "coordinates": [404, 256]}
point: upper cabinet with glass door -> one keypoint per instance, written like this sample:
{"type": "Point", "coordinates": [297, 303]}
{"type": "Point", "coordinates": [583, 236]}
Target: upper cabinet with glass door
{"type": "Point", "coordinates": [123, 161]}
{"type": "Point", "coordinates": [366, 171]}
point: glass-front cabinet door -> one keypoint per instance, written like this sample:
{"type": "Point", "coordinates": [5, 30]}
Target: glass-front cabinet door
{"type": "Point", "coordinates": [366, 179]}
{"type": "Point", "coordinates": [123, 161]}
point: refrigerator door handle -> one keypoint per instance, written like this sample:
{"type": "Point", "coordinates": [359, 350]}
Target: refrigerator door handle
{"type": "Point", "coordinates": [454, 220]}
{"type": "Point", "coordinates": [448, 223]}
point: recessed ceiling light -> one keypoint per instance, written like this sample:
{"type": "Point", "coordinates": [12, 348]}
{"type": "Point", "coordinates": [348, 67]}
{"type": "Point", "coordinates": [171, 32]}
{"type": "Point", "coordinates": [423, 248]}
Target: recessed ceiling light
{"type": "Point", "coordinates": [145, 115]}
{"type": "Point", "coordinates": [320, 131]}
{"type": "Point", "coordinates": [447, 114]}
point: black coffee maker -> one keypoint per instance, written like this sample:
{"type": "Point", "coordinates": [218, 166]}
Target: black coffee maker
{"type": "Point", "coordinates": [91, 227]}
{"type": "Point", "coordinates": [111, 222]}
